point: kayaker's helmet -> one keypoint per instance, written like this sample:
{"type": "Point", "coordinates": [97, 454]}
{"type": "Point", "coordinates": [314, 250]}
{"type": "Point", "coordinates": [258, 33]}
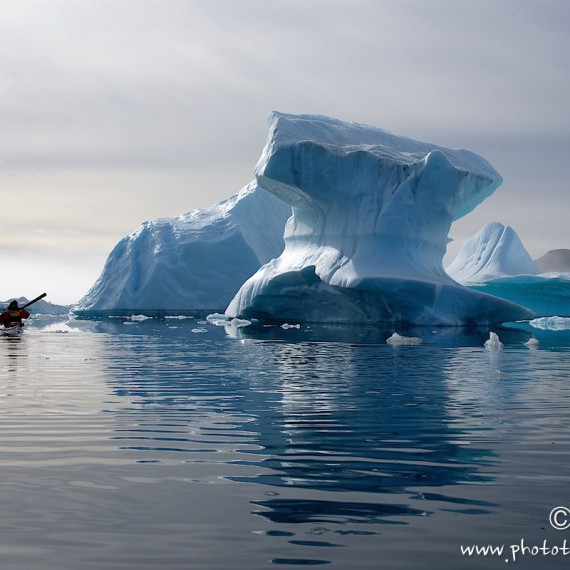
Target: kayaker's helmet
{"type": "Point", "coordinates": [13, 306]}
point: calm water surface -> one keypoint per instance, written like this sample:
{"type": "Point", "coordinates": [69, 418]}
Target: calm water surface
{"type": "Point", "coordinates": [178, 445]}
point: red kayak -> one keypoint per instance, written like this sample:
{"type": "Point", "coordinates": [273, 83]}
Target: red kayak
{"type": "Point", "coordinates": [14, 329]}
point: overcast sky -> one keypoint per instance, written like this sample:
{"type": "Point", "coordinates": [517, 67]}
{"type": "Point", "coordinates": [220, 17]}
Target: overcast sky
{"type": "Point", "coordinates": [113, 112]}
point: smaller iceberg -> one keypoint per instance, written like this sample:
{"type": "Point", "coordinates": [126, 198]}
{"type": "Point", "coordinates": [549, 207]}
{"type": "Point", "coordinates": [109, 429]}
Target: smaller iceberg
{"type": "Point", "coordinates": [494, 252]}
{"type": "Point", "coordinates": [496, 262]}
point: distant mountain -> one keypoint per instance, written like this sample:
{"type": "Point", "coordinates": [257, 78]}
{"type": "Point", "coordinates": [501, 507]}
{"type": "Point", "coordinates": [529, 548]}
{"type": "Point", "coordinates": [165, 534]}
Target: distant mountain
{"type": "Point", "coordinates": [39, 307]}
{"type": "Point", "coordinates": [554, 261]}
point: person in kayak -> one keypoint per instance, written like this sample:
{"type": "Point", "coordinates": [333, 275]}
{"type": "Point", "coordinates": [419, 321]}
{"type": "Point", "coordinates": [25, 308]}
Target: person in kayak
{"type": "Point", "coordinates": [13, 314]}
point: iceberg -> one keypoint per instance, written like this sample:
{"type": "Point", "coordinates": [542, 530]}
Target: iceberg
{"type": "Point", "coordinates": [493, 252]}
{"type": "Point", "coordinates": [194, 262]}
{"type": "Point", "coordinates": [371, 217]}
{"type": "Point", "coordinates": [495, 261]}
{"type": "Point", "coordinates": [547, 294]}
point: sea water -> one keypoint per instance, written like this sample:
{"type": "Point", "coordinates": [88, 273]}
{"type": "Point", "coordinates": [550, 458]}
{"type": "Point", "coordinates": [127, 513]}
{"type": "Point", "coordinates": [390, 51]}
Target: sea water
{"type": "Point", "coordinates": [176, 444]}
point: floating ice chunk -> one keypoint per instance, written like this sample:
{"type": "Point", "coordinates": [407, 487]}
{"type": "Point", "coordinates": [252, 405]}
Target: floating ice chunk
{"type": "Point", "coordinates": [179, 317]}
{"type": "Point", "coordinates": [239, 323]}
{"type": "Point", "coordinates": [551, 323]}
{"type": "Point", "coordinates": [493, 343]}
{"type": "Point", "coordinates": [532, 343]}
{"type": "Point", "coordinates": [199, 331]}
{"type": "Point", "coordinates": [399, 340]}
{"type": "Point", "coordinates": [289, 326]}
{"type": "Point", "coordinates": [217, 319]}
{"type": "Point", "coordinates": [139, 318]}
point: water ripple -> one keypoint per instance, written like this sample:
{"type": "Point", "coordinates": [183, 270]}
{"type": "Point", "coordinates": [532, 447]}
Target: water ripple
{"type": "Point", "coordinates": [218, 452]}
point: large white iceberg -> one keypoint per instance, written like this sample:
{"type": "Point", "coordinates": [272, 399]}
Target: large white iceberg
{"type": "Point", "coordinates": [370, 224]}
{"type": "Point", "coordinates": [495, 251]}
{"type": "Point", "coordinates": [194, 262]}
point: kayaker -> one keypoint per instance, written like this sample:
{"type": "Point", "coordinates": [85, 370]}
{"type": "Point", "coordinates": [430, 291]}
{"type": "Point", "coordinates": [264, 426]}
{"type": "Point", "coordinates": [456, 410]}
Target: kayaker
{"type": "Point", "coordinates": [13, 314]}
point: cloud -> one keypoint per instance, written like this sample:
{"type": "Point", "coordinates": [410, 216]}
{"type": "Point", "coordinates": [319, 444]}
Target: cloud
{"type": "Point", "coordinates": [171, 82]}
{"type": "Point", "coordinates": [113, 112]}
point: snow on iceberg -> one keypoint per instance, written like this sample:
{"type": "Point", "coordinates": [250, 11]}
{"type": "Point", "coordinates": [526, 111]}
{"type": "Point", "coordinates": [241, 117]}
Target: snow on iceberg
{"type": "Point", "coordinates": [494, 251]}
{"type": "Point", "coordinates": [194, 262]}
{"type": "Point", "coordinates": [371, 217]}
